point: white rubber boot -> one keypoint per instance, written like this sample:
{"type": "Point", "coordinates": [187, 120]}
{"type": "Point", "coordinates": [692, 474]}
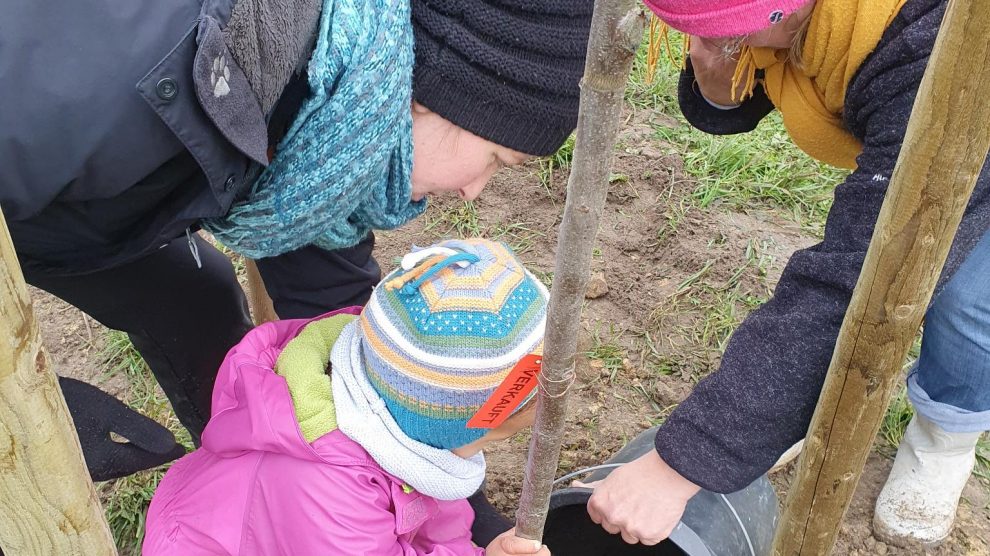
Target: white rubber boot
{"type": "Point", "coordinates": [787, 457]}
{"type": "Point", "coordinates": [918, 503]}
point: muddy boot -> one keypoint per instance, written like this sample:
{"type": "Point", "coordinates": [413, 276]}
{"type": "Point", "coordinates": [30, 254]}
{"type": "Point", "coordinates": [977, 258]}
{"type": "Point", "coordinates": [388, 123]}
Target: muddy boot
{"type": "Point", "coordinates": [918, 503]}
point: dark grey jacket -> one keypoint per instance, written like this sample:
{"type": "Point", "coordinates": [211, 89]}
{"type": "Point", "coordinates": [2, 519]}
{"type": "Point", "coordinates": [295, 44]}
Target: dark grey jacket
{"type": "Point", "coordinates": [124, 125]}
{"type": "Point", "coordinates": [125, 122]}
{"type": "Point", "coordinates": [740, 419]}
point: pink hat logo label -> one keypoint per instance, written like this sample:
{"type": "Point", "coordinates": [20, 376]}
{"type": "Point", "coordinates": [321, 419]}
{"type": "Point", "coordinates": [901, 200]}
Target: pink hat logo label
{"type": "Point", "coordinates": [776, 16]}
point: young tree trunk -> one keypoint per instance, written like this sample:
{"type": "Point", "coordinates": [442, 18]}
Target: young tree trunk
{"type": "Point", "coordinates": [48, 504]}
{"type": "Point", "coordinates": [616, 31]}
{"type": "Point", "coordinates": [943, 153]}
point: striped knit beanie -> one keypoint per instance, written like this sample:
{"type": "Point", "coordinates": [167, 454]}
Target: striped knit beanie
{"type": "Point", "coordinates": [440, 334]}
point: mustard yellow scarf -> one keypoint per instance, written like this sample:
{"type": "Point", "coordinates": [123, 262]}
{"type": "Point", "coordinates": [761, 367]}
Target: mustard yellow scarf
{"type": "Point", "coordinates": [841, 34]}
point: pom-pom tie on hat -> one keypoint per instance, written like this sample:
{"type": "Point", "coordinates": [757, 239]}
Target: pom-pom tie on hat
{"type": "Point", "coordinates": [411, 281]}
{"type": "Point", "coordinates": [410, 260]}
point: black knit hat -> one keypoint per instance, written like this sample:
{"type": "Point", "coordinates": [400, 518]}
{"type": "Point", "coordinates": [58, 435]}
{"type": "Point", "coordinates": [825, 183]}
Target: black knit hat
{"type": "Point", "coordinates": [506, 70]}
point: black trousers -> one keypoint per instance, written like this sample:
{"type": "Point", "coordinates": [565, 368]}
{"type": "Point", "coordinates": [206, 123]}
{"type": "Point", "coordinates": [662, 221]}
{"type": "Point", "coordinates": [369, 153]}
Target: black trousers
{"type": "Point", "coordinates": [183, 318]}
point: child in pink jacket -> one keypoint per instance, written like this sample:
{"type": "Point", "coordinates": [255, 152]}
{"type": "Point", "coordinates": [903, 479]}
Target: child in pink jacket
{"type": "Point", "coordinates": [360, 432]}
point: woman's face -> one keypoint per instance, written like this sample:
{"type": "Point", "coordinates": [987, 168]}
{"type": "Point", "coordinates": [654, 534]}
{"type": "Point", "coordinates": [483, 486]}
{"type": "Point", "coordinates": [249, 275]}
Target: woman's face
{"type": "Point", "coordinates": [449, 158]}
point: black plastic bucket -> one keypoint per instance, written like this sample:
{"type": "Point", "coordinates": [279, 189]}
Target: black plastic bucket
{"type": "Point", "coordinates": [737, 524]}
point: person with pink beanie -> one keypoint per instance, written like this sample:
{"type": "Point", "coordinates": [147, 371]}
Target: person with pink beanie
{"type": "Point", "coordinates": [729, 18]}
{"type": "Point", "coordinates": [844, 75]}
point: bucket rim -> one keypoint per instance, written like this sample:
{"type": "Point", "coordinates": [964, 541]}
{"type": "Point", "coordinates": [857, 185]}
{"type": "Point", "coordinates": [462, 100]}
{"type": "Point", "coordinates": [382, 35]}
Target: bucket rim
{"type": "Point", "coordinates": [683, 536]}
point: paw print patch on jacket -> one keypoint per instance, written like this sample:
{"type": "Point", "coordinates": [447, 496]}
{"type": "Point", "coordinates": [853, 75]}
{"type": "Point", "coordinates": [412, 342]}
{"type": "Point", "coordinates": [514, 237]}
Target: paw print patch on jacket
{"type": "Point", "coordinates": [220, 76]}
{"type": "Point", "coordinates": [226, 96]}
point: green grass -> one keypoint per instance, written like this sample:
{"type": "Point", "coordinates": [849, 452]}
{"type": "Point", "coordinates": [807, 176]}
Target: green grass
{"type": "Point", "coordinates": [899, 411]}
{"type": "Point", "coordinates": [758, 256]}
{"type": "Point", "coordinates": [126, 500]}
{"type": "Point", "coordinates": [660, 93]}
{"type": "Point", "coordinates": [126, 504]}
{"type": "Point", "coordinates": [518, 236]}
{"type": "Point", "coordinates": [606, 351]}
{"type": "Point", "coordinates": [703, 315]}
{"type": "Point", "coordinates": [545, 276]}
{"type": "Point", "coordinates": [673, 215]}
{"type": "Point", "coordinates": [460, 218]}
{"type": "Point", "coordinates": [236, 259]}
{"type": "Point", "coordinates": [760, 169]}
{"type": "Point", "coordinates": [982, 469]}
{"type": "Point", "coordinates": [463, 220]}
{"type": "Point", "coordinates": [895, 421]}
{"type": "Point", "coordinates": [561, 160]}
{"type": "Point", "coordinates": [703, 312]}
{"type": "Point", "coordinates": [661, 364]}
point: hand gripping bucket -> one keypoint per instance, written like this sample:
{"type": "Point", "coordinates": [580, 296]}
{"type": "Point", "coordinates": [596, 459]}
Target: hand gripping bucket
{"type": "Point", "coordinates": [737, 524]}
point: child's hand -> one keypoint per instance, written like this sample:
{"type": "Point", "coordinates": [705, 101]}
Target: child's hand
{"type": "Point", "coordinates": [508, 544]}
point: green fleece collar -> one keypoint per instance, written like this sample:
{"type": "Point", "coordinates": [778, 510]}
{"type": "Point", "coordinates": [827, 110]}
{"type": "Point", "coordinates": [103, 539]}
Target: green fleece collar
{"type": "Point", "coordinates": [303, 364]}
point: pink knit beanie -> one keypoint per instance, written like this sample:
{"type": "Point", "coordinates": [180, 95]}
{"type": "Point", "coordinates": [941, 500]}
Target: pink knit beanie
{"type": "Point", "coordinates": [723, 18]}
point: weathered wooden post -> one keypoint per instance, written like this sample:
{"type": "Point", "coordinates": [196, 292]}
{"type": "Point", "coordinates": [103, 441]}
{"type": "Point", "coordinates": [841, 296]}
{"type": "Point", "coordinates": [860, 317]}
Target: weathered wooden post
{"type": "Point", "coordinates": [616, 32]}
{"type": "Point", "coordinates": [48, 505]}
{"type": "Point", "coordinates": [945, 148]}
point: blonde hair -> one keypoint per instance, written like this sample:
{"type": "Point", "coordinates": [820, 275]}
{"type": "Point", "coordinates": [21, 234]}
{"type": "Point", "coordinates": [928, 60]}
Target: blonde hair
{"type": "Point", "coordinates": [796, 52]}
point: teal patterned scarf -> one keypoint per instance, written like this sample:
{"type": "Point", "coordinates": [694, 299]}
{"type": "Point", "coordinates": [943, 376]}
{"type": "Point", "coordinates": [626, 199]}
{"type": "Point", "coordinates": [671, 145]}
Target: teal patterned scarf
{"type": "Point", "coordinates": [343, 169]}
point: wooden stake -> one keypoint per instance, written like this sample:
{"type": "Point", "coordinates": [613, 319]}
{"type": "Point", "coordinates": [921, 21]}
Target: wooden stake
{"type": "Point", "coordinates": [47, 501]}
{"type": "Point", "coordinates": [616, 32]}
{"type": "Point", "coordinates": [261, 305]}
{"type": "Point", "coordinates": [944, 151]}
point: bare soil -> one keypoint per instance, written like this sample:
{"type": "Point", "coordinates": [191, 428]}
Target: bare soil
{"type": "Point", "coordinates": [74, 342]}
{"type": "Point", "coordinates": [668, 267]}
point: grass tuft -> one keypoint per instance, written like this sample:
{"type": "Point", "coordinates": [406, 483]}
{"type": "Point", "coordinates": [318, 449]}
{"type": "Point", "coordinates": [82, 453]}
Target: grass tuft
{"type": "Point", "coordinates": [605, 352]}
{"type": "Point", "coordinates": [126, 505]}
{"type": "Point", "coordinates": [759, 169]}
{"type": "Point", "coordinates": [517, 235]}
{"type": "Point", "coordinates": [895, 421]}
{"type": "Point", "coordinates": [461, 218]}
{"type": "Point", "coordinates": [560, 160]}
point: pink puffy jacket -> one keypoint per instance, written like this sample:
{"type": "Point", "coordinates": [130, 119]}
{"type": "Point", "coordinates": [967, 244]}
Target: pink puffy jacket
{"type": "Point", "coordinates": [256, 487]}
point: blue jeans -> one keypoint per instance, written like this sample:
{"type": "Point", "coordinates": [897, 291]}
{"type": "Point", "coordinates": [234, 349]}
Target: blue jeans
{"type": "Point", "coordinates": [951, 383]}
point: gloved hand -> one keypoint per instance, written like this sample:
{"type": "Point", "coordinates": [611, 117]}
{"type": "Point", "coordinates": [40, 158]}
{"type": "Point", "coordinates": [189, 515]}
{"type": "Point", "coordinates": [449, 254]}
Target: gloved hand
{"type": "Point", "coordinates": [96, 414]}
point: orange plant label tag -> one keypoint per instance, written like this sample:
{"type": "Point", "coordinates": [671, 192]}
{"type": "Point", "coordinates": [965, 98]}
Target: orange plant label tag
{"type": "Point", "coordinates": [516, 387]}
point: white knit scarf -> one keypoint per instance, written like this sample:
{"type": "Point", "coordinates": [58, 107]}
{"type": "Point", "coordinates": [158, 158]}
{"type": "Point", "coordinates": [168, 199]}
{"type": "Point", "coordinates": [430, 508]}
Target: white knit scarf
{"type": "Point", "coordinates": [363, 416]}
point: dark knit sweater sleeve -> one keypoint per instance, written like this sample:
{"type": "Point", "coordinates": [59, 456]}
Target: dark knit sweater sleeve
{"type": "Point", "coordinates": [705, 117]}
{"type": "Point", "coordinates": [740, 419]}
{"type": "Point", "coordinates": [507, 70]}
